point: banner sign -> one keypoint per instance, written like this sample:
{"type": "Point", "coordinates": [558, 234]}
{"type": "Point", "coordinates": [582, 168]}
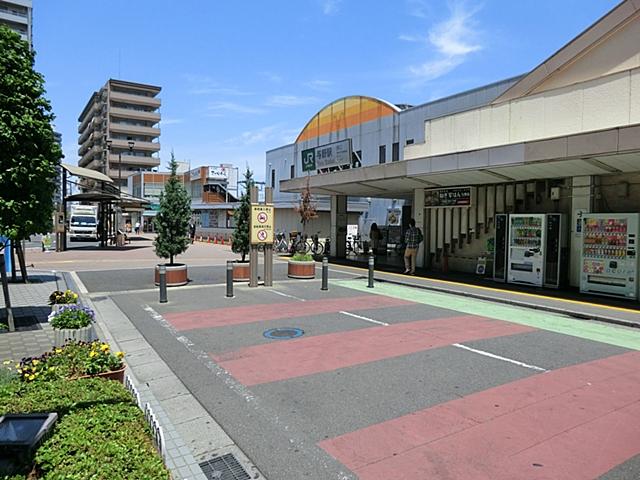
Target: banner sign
{"type": "Point", "coordinates": [218, 173]}
{"type": "Point", "coordinates": [449, 197]}
{"type": "Point", "coordinates": [335, 154]}
{"type": "Point", "coordinates": [262, 223]}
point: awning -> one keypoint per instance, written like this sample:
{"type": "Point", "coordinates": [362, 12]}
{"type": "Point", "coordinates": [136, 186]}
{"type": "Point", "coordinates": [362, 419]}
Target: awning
{"type": "Point", "coordinates": [86, 173]}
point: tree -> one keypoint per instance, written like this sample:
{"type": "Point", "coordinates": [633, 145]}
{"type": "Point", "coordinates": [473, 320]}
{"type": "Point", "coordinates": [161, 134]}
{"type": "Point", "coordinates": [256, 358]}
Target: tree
{"type": "Point", "coordinates": [29, 154]}
{"type": "Point", "coordinates": [172, 220]}
{"type": "Point", "coordinates": [306, 209]}
{"type": "Point", "coordinates": [241, 216]}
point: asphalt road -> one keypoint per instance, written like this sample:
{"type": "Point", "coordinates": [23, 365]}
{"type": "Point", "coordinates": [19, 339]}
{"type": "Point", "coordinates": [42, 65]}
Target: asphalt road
{"type": "Point", "coordinates": [394, 382]}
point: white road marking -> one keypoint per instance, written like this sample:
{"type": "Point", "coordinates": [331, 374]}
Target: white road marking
{"type": "Point", "coordinates": [287, 295]}
{"type": "Point", "coordinates": [78, 282]}
{"type": "Point", "coordinates": [498, 357]}
{"type": "Point", "coordinates": [366, 319]}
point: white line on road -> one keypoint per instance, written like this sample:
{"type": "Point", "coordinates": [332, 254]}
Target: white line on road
{"type": "Point", "coordinates": [366, 319]}
{"type": "Point", "coordinates": [498, 357]}
{"type": "Point", "coordinates": [78, 283]}
{"type": "Point", "coordinates": [287, 295]}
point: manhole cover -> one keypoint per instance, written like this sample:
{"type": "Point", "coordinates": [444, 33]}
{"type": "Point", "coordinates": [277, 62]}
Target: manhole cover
{"type": "Point", "coordinates": [284, 333]}
{"type": "Point", "coordinates": [225, 467]}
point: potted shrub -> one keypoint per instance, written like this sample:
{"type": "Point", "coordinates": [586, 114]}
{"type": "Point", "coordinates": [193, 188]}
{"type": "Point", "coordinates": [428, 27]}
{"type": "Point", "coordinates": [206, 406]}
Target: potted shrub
{"type": "Point", "coordinates": [74, 360]}
{"type": "Point", "coordinates": [72, 322]}
{"type": "Point", "coordinates": [301, 265]}
{"type": "Point", "coordinates": [172, 225]}
{"type": "Point", "coordinates": [58, 298]}
{"type": "Point", "coordinates": [240, 237]}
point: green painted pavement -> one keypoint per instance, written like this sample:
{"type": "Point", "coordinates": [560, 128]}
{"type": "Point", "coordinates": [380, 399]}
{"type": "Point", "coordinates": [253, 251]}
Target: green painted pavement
{"type": "Point", "coordinates": [611, 334]}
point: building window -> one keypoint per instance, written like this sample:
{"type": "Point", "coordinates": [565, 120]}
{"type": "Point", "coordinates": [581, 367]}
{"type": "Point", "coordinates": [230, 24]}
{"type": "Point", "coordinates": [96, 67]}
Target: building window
{"type": "Point", "coordinates": [293, 171]}
{"type": "Point", "coordinates": [273, 178]}
{"type": "Point", "coordinates": [395, 152]}
{"type": "Point", "coordinates": [382, 154]}
{"type": "Point", "coordinates": [409, 141]}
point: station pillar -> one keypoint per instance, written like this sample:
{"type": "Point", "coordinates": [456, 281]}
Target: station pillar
{"type": "Point", "coordinates": [339, 226]}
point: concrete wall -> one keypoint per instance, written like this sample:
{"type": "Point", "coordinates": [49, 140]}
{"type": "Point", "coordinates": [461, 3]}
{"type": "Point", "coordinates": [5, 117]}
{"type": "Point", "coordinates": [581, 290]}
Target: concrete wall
{"type": "Point", "coordinates": [605, 102]}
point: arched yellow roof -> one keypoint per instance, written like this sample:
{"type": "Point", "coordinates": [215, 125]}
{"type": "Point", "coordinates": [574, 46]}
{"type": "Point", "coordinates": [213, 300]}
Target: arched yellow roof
{"type": "Point", "coordinates": [344, 113]}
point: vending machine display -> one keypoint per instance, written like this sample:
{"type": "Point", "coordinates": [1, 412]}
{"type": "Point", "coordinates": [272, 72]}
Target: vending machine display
{"type": "Point", "coordinates": [609, 255]}
{"type": "Point", "coordinates": [526, 249]}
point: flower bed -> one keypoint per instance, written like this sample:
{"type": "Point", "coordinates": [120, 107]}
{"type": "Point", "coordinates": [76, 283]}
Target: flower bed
{"type": "Point", "coordinates": [72, 322]}
{"type": "Point", "coordinates": [101, 432]}
{"type": "Point", "coordinates": [63, 298]}
{"type": "Point", "coordinates": [72, 360]}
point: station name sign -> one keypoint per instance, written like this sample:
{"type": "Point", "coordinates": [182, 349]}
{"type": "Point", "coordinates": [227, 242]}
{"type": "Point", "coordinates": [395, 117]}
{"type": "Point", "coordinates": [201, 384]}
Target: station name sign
{"type": "Point", "coordinates": [337, 154]}
{"type": "Point", "coordinates": [449, 197]}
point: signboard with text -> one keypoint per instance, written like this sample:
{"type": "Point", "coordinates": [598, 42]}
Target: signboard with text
{"type": "Point", "coordinates": [449, 197]}
{"type": "Point", "coordinates": [335, 154]}
{"type": "Point", "coordinates": [262, 223]}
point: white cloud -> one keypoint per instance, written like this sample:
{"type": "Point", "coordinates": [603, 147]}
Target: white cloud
{"type": "Point", "coordinates": [418, 8]}
{"type": "Point", "coordinates": [252, 137]}
{"type": "Point", "coordinates": [171, 121]}
{"type": "Point", "coordinates": [319, 85]}
{"type": "Point", "coordinates": [272, 77]}
{"type": "Point", "coordinates": [329, 7]}
{"type": "Point", "coordinates": [289, 101]}
{"type": "Point", "coordinates": [204, 85]}
{"type": "Point", "coordinates": [453, 39]}
{"type": "Point", "coordinates": [218, 109]}
{"type": "Point", "coordinates": [412, 38]}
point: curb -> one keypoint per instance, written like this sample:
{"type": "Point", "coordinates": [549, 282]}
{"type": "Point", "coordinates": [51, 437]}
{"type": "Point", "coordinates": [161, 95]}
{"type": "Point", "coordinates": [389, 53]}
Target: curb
{"type": "Point", "coordinates": [517, 303]}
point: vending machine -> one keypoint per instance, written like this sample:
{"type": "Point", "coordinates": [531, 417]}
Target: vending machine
{"type": "Point", "coordinates": [526, 248]}
{"type": "Point", "coordinates": [610, 254]}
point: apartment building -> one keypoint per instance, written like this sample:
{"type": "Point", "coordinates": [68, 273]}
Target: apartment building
{"type": "Point", "coordinates": [119, 132]}
{"type": "Point", "coordinates": [17, 15]}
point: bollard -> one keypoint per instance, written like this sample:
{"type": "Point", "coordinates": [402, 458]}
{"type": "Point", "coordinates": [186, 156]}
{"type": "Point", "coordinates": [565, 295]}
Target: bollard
{"type": "Point", "coordinates": [229, 278]}
{"type": "Point", "coordinates": [371, 265]}
{"type": "Point", "coordinates": [325, 273]}
{"type": "Point", "coordinates": [162, 273]}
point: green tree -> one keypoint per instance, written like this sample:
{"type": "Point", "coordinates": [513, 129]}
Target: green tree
{"type": "Point", "coordinates": [241, 216]}
{"type": "Point", "coordinates": [172, 220]}
{"type": "Point", "coordinates": [29, 154]}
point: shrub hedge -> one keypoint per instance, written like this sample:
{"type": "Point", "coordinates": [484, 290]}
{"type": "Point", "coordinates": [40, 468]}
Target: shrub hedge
{"type": "Point", "coordinates": [101, 433]}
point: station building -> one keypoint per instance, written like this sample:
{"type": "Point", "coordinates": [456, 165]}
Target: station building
{"type": "Point", "coordinates": [482, 172]}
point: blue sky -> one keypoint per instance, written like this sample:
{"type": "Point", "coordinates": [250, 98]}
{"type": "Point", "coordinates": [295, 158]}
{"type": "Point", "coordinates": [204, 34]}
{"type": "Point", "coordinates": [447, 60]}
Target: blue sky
{"type": "Point", "coordinates": [240, 78]}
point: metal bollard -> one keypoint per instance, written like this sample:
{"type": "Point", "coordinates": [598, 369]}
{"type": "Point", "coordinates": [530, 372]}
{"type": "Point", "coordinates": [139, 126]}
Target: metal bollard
{"type": "Point", "coordinates": [371, 265]}
{"type": "Point", "coordinates": [325, 273]}
{"type": "Point", "coordinates": [162, 273]}
{"type": "Point", "coordinates": [229, 278]}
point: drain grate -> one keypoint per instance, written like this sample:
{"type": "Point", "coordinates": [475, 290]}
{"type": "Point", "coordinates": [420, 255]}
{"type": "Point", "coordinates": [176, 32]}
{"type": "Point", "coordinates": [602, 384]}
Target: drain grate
{"type": "Point", "coordinates": [283, 333]}
{"type": "Point", "coordinates": [225, 467]}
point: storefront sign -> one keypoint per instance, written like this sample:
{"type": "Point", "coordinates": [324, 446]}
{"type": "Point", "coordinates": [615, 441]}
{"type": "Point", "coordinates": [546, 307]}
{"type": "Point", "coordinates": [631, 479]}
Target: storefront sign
{"type": "Point", "coordinates": [449, 197]}
{"type": "Point", "coordinates": [262, 222]}
{"type": "Point", "coordinates": [335, 154]}
{"type": "Point", "coordinates": [194, 174]}
{"type": "Point", "coordinates": [217, 173]}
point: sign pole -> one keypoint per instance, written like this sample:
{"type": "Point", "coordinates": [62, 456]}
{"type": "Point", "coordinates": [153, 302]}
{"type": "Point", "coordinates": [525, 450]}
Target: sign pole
{"type": "Point", "coordinates": [253, 251]}
{"type": "Point", "coordinates": [268, 247]}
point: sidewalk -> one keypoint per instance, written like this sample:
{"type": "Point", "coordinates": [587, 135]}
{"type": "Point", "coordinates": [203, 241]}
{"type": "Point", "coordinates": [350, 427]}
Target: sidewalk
{"type": "Point", "coordinates": [562, 302]}
{"type": "Point", "coordinates": [34, 336]}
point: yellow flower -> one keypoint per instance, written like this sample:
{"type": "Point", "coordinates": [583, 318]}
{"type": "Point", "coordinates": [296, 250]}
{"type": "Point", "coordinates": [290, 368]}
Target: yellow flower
{"type": "Point", "coordinates": [6, 362]}
{"type": "Point", "coordinates": [93, 353]}
{"type": "Point", "coordinates": [35, 362]}
{"type": "Point", "coordinates": [31, 377]}
{"type": "Point", "coordinates": [104, 347]}
{"type": "Point", "coordinates": [119, 354]}
{"type": "Point", "coordinates": [58, 350]}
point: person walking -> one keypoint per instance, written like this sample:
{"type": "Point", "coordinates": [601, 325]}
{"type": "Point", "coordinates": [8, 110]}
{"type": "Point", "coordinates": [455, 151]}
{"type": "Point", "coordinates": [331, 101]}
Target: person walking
{"type": "Point", "coordinates": [137, 228]}
{"type": "Point", "coordinates": [374, 236]}
{"type": "Point", "coordinates": [192, 231]}
{"type": "Point", "coordinates": [412, 239]}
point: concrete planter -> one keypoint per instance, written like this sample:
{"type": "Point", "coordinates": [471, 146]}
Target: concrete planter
{"type": "Point", "coordinates": [241, 272]}
{"type": "Point", "coordinates": [56, 307]}
{"type": "Point", "coordinates": [305, 270]}
{"type": "Point", "coordinates": [84, 334]}
{"type": "Point", "coordinates": [176, 275]}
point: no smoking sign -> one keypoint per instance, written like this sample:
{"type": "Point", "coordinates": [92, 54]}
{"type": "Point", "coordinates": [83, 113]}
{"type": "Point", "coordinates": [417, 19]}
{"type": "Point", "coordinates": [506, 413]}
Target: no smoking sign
{"type": "Point", "coordinates": [262, 224]}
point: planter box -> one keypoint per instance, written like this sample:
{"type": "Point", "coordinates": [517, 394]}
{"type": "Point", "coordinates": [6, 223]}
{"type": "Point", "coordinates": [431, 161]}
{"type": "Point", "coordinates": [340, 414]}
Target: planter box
{"type": "Point", "coordinates": [176, 275]}
{"type": "Point", "coordinates": [117, 375]}
{"type": "Point", "coordinates": [84, 334]}
{"type": "Point", "coordinates": [305, 270]}
{"type": "Point", "coordinates": [241, 272]}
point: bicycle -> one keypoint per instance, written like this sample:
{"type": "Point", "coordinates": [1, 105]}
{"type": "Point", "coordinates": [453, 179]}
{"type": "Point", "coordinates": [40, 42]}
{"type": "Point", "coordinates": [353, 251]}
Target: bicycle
{"type": "Point", "coordinates": [281, 245]}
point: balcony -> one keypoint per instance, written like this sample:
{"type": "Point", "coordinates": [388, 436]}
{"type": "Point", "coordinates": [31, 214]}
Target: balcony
{"type": "Point", "coordinates": [139, 146]}
{"type": "Point", "coordinates": [93, 114]}
{"type": "Point", "coordinates": [131, 160]}
{"type": "Point", "coordinates": [90, 154]}
{"type": "Point", "coordinates": [135, 114]}
{"type": "Point", "coordinates": [134, 99]}
{"type": "Point", "coordinates": [95, 165]}
{"type": "Point", "coordinates": [134, 129]}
